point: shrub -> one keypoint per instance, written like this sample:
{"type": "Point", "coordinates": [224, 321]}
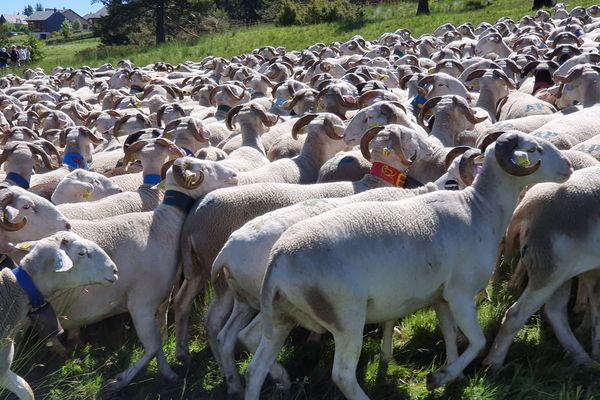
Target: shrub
{"type": "Point", "coordinates": [37, 48]}
{"type": "Point", "coordinates": [316, 11]}
{"type": "Point", "coordinates": [291, 13]}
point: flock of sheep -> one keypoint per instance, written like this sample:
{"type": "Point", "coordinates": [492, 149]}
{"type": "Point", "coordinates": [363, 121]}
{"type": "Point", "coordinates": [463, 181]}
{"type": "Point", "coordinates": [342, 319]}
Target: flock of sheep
{"type": "Point", "coordinates": [343, 185]}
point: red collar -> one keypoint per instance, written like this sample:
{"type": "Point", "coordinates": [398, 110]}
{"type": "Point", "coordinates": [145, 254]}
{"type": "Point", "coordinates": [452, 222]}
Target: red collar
{"type": "Point", "coordinates": [389, 174]}
{"type": "Point", "coordinates": [540, 85]}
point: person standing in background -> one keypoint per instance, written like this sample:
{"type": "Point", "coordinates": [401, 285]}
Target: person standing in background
{"type": "Point", "coordinates": [14, 58]}
{"type": "Point", "coordinates": [4, 57]}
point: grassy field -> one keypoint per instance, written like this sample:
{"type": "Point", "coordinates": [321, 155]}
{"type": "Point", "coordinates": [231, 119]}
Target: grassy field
{"type": "Point", "coordinates": [382, 18]}
{"type": "Point", "coordinates": [537, 367]}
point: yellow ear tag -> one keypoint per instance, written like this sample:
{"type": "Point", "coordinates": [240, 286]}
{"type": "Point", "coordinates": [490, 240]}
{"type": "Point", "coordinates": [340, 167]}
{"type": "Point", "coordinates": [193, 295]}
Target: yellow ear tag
{"type": "Point", "coordinates": [478, 160]}
{"type": "Point", "coordinates": [382, 77]}
{"type": "Point", "coordinates": [523, 161]}
{"type": "Point", "coordinates": [386, 152]}
{"type": "Point", "coordinates": [374, 124]}
{"type": "Point", "coordinates": [138, 104]}
{"type": "Point", "coordinates": [86, 194]}
{"type": "Point", "coordinates": [162, 185]}
{"type": "Point", "coordinates": [320, 108]}
{"type": "Point", "coordinates": [23, 246]}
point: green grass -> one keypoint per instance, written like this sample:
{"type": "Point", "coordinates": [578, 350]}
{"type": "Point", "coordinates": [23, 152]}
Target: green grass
{"type": "Point", "coordinates": [536, 369]}
{"type": "Point", "coordinates": [381, 18]}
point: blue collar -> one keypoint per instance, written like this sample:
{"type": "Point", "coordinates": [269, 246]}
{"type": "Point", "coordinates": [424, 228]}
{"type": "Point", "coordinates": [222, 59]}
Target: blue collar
{"type": "Point", "coordinates": [36, 298]}
{"type": "Point", "coordinates": [152, 179]}
{"type": "Point", "coordinates": [224, 108]}
{"type": "Point", "coordinates": [74, 160]}
{"type": "Point", "coordinates": [418, 102]}
{"type": "Point", "coordinates": [188, 152]}
{"type": "Point", "coordinates": [179, 200]}
{"type": "Point", "coordinates": [399, 53]}
{"type": "Point", "coordinates": [18, 180]}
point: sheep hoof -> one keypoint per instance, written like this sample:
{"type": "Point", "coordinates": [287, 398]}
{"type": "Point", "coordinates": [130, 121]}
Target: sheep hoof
{"type": "Point", "coordinates": [184, 358]}
{"type": "Point", "coordinates": [435, 380]}
{"type": "Point", "coordinates": [114, 385]}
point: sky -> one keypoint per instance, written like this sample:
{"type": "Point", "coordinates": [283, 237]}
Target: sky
{"type": "Point", "coordinates": [81, 7]}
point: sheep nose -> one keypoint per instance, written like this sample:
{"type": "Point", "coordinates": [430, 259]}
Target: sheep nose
{"type": "Point", "coordinates": [68, 226]}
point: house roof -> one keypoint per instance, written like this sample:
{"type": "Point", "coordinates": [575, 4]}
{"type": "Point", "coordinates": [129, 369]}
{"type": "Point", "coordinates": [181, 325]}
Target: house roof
{"type": "Point", "coordinates": [40, 15]}
{"type": "Point", "coordinates": [103, 12]}
{"type": "Point", "coordinates": [14, 18]}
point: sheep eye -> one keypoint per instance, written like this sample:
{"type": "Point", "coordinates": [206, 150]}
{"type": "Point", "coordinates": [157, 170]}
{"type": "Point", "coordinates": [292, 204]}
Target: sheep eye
{"type": "Point", "coordinates": [26, 207]}
{"type": "Point", "coordinates": [82, 253]}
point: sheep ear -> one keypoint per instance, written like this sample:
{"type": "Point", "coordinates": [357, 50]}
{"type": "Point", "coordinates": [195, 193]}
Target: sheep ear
{"type": "Point", "coordinates": [24, 246]}
{"type": "Point", "coordinates": [62, 262]}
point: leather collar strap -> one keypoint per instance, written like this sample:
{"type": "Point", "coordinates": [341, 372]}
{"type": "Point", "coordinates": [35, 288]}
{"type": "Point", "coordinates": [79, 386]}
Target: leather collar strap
{"type": "Point", "coordinates": [152, 179]}
{"type": "Point", "coordinates": [188, 152]}
{"type": "Point", "coordinates": [74, 160]}
{"type": "Point", "coordinates": [179, 200]}
{"type": "Point", "coordinates": [224, 108]}
{"type": "Point", "coordinates": [136, 89]}
{"type": "Point", "coordinates": [36, 298]}
{"type": "Point", "coordinates": [389, 174]}
{"type": "Point", "coordinates": [540, 85]}
{"type": "Point", "coordinates": [18, 180]}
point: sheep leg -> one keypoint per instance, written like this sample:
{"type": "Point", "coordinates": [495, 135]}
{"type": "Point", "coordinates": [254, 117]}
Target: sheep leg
{"type": "Point", "coordinates": [272, 340]}
{"type": "Point", "coordinates": [216, 317]}
{"type": "Point", "coordinates": [183, 308]}
{"type": "Point", "coordinates": [449, 330]}
{"type": "Point", "coordinates": [464, 311]}
{"type": "Point", "coordinates": [240, 317]}
{"type": "Point", "coordinates": [249, 337]}
{"type": "Point", "coordinates": [592, 283]}
{"type": "Point", "coordinates": [9, 379]}
{"type": "Point", "coordinates": [146, 327]}
{"type": "Point", "coordinates": [555, 310]}
{"type": "Point", "coordinates": [348, 344]}
{"type": "Point", "coordinates": [162, 318]}
{"type": "Point", "coordinates": [531, 300]}
{"type": "Point", "coordinates": [386, 346]}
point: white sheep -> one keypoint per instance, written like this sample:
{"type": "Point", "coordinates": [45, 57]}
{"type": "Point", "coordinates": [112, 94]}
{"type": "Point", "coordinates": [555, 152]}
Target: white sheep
{"type": "Point", "coordinates": [80, 186]}
{"type": "Point", "coordinates": [61, 261]}
{"type": "Point", "coordinates": [318, 278]}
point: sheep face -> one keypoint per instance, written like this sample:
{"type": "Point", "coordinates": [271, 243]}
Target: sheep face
{"type": "Point", "coordinates": [379, 114]}
{"type": "Point", "coordinates": [197, 177]}
{"type": "Point", "coordinates": [398, 146]}
{"type": "Point", "coordinates": [42, 217]}
{"type": "Point", "coordinates": [65, 261]}
{"type": "Point", "coordinates": [529, 158]}
{"type": "Point", "coordinates": [81, 186]}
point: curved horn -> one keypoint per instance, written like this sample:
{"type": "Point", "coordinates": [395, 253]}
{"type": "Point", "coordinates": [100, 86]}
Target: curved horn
{"type": "Point", "coordinates": [6, 198]}
{"type": "Point", "coordinates": [366, 140]}
{"type": "Point", "coordinates": [170, 146]}
{"type": "Point", "coordinates": [330, 130]}
{"type": "Point", "coordinates": [301, 123]}
{"type": "Point", "coordinates": [465, 166]}
{"type": "Point", "coordinates": [453, 153]}
{"type": "Point", "coordinates": [429, 104]}
{"type": "Point", "coordinates": [232, 113]}
{"type": "Point", "coordinates": [130, 151]}
{"type": "Point", "coordinates": [165, 168]}
{"type": "Point", "coordinates": [467, 111]}
{"type": "Point", "coordinates": [35, 149]}
{"type": "Point", "coordinates": [505, 146]}
{"type": "Point", "coordinates": [489, 139]}
{"type": "Point", "coordinates": [50, 149]}
{"type": "Point", "coordinates": [8, 150]}
{"type": "Point", "coordinates": [574, 73]}
{"type": "Point", "coordinates": [264, 118]}
{"type": "Point", "coordinates": [478, 73]}
{"type": "Point", "coordinates": [91, 135]}
{"type": "Point", "coordinates": [182, 180]}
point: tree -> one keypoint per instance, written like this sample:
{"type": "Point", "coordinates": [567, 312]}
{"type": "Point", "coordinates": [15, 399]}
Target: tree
{"type": "Point", "coordinates": [39, 7]}
{"type": "Point", "coordinates": [65, 29]}
{"type": "Point", "coordinates": [127, 19]}
{"type": "Point", "coordinates": [423, 7]}
{"type": "Point", "coordinates": [28, 10]}
{"type": "Point", "coordinates": [76, 26]}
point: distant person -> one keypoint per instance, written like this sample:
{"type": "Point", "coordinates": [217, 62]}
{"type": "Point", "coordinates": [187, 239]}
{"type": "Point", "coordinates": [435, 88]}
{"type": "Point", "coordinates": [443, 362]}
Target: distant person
{"type": "Point", "coordinates": [28, 54]}
{"type": "Point", "coordinates": [14, 57]}
{"type": "Point", "coordinates": [4, 57]}
{"type": "Point", "coordinates": [22, 55]}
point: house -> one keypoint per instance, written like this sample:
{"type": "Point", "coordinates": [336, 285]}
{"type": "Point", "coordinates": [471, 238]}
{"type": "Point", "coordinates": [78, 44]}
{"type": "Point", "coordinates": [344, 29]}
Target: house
{"type": "Point", "coordinates": [15, 19]}
{"type": "Point", "coordinates": [95, 16]}
{"type": "Point", "coordinates": [43, 23]}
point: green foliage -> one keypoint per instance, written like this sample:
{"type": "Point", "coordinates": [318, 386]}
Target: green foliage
{"type": "Point", "coordinates": [37, 48]}
{"type": "Point", "coordinates": [65, 29]}
{"type": "Point", "coordinates": [76, 26]}
{"type": "Point", "coordinates": [28, 10]}
{"type": "Point", "coordinates": [317, 11]}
